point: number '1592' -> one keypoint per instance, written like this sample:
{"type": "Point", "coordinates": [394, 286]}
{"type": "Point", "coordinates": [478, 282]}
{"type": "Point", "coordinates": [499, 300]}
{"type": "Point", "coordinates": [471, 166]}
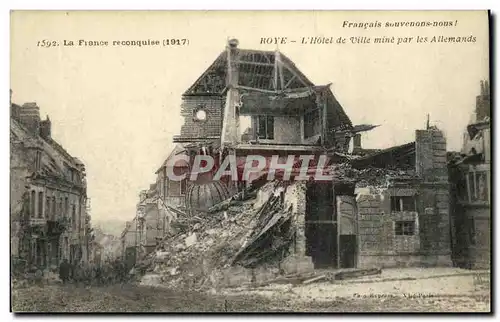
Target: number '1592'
{"type": "Point", "coordinates": [47, 43]}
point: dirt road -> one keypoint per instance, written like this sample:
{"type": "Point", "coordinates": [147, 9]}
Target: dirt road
{"type": "Point", "coordinates": [131, 298]}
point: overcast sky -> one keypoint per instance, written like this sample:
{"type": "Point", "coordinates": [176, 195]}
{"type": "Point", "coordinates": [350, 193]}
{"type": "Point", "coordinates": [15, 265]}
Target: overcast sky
{"type": "Point", "coordinates": [117, 108]}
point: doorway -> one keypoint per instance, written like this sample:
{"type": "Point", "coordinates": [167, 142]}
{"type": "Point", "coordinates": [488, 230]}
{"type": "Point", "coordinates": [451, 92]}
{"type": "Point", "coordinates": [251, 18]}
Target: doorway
{"type": "Point", "coordinates": [321, 225]}
{"type": "Point", "coordinates": [347, 214]}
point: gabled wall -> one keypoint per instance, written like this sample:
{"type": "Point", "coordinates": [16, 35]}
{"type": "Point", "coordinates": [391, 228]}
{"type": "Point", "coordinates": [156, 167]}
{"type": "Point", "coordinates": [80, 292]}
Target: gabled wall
{"type": "Point", "coordinates": [212, 126]}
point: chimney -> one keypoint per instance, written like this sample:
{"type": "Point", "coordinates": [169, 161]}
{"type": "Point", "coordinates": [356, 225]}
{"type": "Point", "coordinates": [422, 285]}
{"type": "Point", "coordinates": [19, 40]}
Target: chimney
{"type": "Point", "coordinates": [29, 116]}
{"type": "Point", "coordinates": [230, 124]}
{"type": "Point", "coordinates": [233, 43]}
{"type": "Point", "coordinates": [483, 108]}
{"type": "Point", "coordinates": [45, 128]}
{"type": "Point", "coordinates": [357, 141]}
{"type": "Point", "coordinates": [430, 153]}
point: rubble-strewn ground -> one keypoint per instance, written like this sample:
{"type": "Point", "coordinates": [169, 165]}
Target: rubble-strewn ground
{"type": "Point", "coordinates": [425, 289]}
{"type": "Point", "coordinates": [320, 297]}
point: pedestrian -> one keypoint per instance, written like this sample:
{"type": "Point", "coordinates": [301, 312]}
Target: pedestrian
{"type": "Point", "coordinates": [98, 275]}
{"type": "Point", "coordinates": [38, 276]}
{"type": "Point", "coordinates": [64, 271]}
{"type": "Point", "coordinates": [77, 274]}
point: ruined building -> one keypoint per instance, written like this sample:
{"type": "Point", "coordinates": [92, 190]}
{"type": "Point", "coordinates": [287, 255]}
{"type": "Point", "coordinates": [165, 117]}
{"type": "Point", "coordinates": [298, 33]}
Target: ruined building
{"type": "Point", "coordinates": [470, 172]}
{"type": "Point", "coordinates": [385, 208]}
{"type": "Point", "coordinates": [48, 194]}
{"type": "Point", "coordinates": [258, 102]}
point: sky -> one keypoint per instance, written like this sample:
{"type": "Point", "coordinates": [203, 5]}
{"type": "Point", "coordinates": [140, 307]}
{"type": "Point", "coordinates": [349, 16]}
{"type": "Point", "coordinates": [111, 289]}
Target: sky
{"type": "Point", "coordinates": [117, 108]}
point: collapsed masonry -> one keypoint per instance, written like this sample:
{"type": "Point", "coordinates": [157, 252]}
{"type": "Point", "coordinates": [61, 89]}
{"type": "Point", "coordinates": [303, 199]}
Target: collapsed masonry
{"type": "Point", "coordinates": [387, 209]}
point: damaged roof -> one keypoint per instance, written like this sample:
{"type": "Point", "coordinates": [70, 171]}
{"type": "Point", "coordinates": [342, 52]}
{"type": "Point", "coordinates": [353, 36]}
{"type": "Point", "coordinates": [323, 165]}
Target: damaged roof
{"type": "Point", "coordinates": [56, 158]}
{"type": "Point", "coordinates": [401, 156]}
{"type": "Point", "coordinates": [270, 76]}
{"type": "Point", "coordinates": [178, 149]}
{"type": "Point", "coordinates": [256, 70]}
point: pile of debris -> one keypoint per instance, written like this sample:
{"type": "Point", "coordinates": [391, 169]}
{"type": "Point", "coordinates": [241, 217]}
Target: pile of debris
{"type": "Point", "coordinates": [369, 176]}
{"type": "Point", "coordinates": [235, 233]}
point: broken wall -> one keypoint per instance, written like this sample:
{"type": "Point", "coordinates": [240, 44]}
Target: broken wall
{"type": "Point", "coordinates": [211, 126]}
{"type": "Point", "coordinates": [297, 261]}
{"type": "Point", "coordinates": [407, 222]}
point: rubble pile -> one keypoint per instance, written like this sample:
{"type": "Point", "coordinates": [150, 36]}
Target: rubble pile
{"type": "Point", "coordinates": [235, 233]}
{"type": "Point", "coordinates": [369, 176]}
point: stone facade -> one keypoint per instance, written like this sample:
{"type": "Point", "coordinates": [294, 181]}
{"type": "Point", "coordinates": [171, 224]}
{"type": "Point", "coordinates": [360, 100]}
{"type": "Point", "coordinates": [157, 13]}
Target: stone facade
{"type": "Point", "coordinates": [471, 190]}
{"type": "Point", "coordinates": [48, 194]}
{"type": "Point", "coordinates": [211, 126]}
{"type": "Point", "coordinates": [295, 196]}
{"type": "Point", "coordinates": [407, 222]}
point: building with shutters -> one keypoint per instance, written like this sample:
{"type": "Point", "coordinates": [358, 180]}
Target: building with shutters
{"type": "Point", "coordinates": [48, 193]}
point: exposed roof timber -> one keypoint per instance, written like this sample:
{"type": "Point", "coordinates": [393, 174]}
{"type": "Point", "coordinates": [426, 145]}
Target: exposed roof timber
{"type": "Point", "coordinates": [363, 128]}
{"type": "Point", "coordinates": [208, 70]}
{"type": "Point", "coordinates": [294, 70]}
{"type": "Point", "coordinates": [244, 62]}
{"type": "Point", "coordinates": [402, 150]}
{"type": "Point", "coordinates": [256, 89]}
{"type": "Point", "coordinates": [279, 66]}
{"type": "Point", "coordinates": [286, 91]}
{"type": "Point", "coordinates": [290, 81]}
{"type": "Point", "coordinates": [183, 139]}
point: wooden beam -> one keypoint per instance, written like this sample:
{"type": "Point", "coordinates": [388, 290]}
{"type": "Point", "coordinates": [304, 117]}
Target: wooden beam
{"type": "Point", "coordinates": [357, 273]}
{"type": "Point", "coordinates": [279, 63]}
{"type": "Point", "coordinates": [275, 80]}
{"type": "Point", "coordinates": [253, 63]}
{"type": "Point", "coordinates": [256, 89]}
{"type": "Point", "coordinates": [295, 74]}
{"type": "Point", "coordinates": [290, 81]}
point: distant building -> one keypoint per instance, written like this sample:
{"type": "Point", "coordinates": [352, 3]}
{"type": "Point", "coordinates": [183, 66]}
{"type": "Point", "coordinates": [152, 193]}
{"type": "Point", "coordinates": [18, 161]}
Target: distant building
{"type": "Point", "coordinates": [173, 192]}
{"type": "Point", "coordinates": [151, 221]}
{"type": "Point", "coordinates": [129, 241]}
{"type": "Point", "coordinates": [48, 193]}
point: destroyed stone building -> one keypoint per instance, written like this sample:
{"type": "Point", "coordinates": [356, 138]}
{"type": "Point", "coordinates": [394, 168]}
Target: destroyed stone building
{"type": "Point", "coordinates": [470, 176]}
{"type": "Point", "coordinates": [170, 191]}
{"type": "Point", "coordinates": [383, 207]}
{"type": "Point", "coordinates": [129, 240]}
{"type": "Point", "coordinates": [283, 111]}
{"type": "Point", "coordinates": [105, 247]}
{"type": "Point", "coordinates": [141, 235]}
{"type": "Point", "coordinates": [48, 194]}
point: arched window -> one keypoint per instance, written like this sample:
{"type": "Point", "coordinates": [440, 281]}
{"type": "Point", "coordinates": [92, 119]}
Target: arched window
{"type": "Point", "coordinates": [60, 208]}
{"type": "Point", "coordinates": [66, 208]}
{"type": "Point", "coordinates": [47, 207]}
{"type": "Point", "coordinates": [73, 217]}
{"type": "Point", "coordinates": [53, 212]}
{"type": "Point", "coordinates": [33, 204]}
{"type": "Point", "coordinates": [40, 204]}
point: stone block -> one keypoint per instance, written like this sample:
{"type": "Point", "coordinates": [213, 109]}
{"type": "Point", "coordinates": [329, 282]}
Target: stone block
{"type": "Point", "coordinates": [297, 264]}
{"type": "Point", "coordinates": [236, 276]}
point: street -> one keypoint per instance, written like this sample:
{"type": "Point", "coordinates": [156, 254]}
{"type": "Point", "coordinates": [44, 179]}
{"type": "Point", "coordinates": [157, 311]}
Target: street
{"type": "Point", "coordinates": [132, 298]}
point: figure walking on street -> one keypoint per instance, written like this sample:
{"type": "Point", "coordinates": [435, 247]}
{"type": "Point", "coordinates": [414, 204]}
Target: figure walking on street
{"type": "Point", "coordinates": [64, 270]}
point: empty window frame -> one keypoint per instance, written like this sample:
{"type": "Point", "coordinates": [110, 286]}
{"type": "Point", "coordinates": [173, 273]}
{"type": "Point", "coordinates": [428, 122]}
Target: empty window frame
{"type": "Point", "coordinates": [183, 188]}
{"type": "Point", "coordinates": [403, 203]}
{"type": "Point", "coordinates": [40, 204]}
{"type": "Point", "coordinates": [265, 127]}
{"type": "Point", "coordinates": [404, 228]}
{"type": "Point", "coordinates": [311, 123]}
{"type": "Point", "coordinates": [478, 186]}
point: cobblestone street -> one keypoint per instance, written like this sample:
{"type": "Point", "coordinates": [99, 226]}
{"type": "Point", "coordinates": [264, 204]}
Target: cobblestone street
{"type": "Point", "coordinates": [131, 298]}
